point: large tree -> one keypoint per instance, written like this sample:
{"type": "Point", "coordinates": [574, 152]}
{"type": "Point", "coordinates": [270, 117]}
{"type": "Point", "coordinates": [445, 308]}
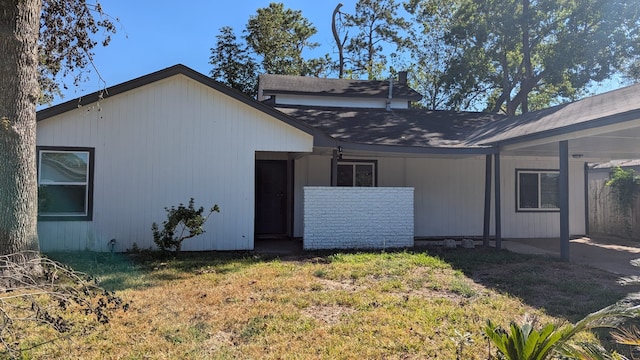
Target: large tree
{"type": "Point", "coordinates": [429, 54]}
{"type": "Point", "coordinates": [279, 36]}
{"type": "Point", "coordinates": [233, 64]}
{"type": "Point", "coordinates": [275, 39]}
{"type": "Point", "coordinates": [19, 93]}
{"type": "Point", "coordinates": [516, 56]}
{"type": "Point", "coordinates": [376, 23]}
{"type": "Point", "coordinates": [38, 40]}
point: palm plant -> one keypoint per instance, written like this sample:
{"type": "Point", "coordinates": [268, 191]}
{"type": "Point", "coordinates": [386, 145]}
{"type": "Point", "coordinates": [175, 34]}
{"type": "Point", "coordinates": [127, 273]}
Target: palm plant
{"type": "Point", "coordinates": [553, 341]}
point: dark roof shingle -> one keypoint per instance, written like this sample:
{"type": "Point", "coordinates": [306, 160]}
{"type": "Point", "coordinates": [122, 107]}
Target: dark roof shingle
{"type": "Point", "coordinates": [271, 84]}
{"type": "Point", "coordinates": [612, 106]}
{"type": "Point", "coordinates": [405, 127]}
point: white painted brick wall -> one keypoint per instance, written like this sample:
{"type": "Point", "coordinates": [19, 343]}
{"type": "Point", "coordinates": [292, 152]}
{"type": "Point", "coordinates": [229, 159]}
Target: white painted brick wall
{"type": "Point", "coordinates": [357, 217]}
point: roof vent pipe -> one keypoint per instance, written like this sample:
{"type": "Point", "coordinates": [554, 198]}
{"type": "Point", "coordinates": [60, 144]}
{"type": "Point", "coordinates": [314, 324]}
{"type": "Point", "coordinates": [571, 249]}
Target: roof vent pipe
{"type": "Point", "coordinates": [390, 94]}
{"type": "Point", "coordinates": [402, 77]}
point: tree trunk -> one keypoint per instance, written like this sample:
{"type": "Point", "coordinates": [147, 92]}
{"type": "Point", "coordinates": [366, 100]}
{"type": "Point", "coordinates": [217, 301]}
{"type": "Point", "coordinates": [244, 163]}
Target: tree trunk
{"type": "Point", "coordinates": [338, 43]}
{"type": "Point", "coordinates": [19, 29]}
{"type": "Point", "coordinates": [526, 53]}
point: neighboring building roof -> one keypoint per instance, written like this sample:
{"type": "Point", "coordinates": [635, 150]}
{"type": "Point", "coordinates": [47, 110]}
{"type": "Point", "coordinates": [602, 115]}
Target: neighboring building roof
{"type": "Point", "coordinates": [614, 163]}
{"type": "Point", "coordinates": [303, 85]}
{"type": "Point", "coordinates": [163, 74]}
{"type": "Point", "coordinates": [400, 127]}
{"type": "Point", "coordinates": [606, 108]}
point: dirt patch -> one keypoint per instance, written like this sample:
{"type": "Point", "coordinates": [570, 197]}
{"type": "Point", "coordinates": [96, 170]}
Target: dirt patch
{"type": "Point", "coordinates": [328, 314]}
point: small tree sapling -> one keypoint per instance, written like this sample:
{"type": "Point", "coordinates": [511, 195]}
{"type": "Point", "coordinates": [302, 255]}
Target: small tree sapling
{"type": "Point", "coordinates": [183, 222]}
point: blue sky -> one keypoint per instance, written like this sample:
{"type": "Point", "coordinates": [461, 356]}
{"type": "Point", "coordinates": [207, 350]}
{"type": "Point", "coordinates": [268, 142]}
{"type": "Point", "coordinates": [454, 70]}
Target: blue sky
{"type": "Point", "coordinates": [155, 35]}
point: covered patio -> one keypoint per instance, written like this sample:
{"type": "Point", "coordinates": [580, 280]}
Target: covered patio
{"type": "Point", "coordinates": [596, 129]}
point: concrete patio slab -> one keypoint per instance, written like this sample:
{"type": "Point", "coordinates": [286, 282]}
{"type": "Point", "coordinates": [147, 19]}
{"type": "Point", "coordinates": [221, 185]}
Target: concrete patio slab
{"type": "Point", "coordinates": [609, 254]}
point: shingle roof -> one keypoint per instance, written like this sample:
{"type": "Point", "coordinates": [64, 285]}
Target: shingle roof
{"type": "Point", "coordinates": [303, 85]}
{"type": "Point", "coordinates": [612, 106]}
{"type": "Point", "coordinates": [404, 127]}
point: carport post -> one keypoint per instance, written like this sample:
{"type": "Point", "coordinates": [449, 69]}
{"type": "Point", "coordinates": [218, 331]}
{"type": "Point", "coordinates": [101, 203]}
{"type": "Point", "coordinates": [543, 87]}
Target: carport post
{"type": "Point", "coordinates": [497, 201]}
{"type": "Point", "coordinates": [487, 202]}
{"type": "Point", "coordinates": [564, 199]}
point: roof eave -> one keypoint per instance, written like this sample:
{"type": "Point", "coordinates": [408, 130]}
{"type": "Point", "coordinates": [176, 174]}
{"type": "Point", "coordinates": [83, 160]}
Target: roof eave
{"type": "Point", "coordinates": [467, 151]}
{"type": "Point", "coordinates": [573, 128]}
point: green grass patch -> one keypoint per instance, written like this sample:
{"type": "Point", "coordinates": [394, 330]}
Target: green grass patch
{"type": "Point", "coordinates": [405, 304]}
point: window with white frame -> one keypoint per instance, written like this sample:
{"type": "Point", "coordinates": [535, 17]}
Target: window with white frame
{"type": "Point", "coordinates": [65, 183]}
{"type": "Point", "coordinates": [537, 190]}
{"type": "Point", "coordinates": [356, 173]}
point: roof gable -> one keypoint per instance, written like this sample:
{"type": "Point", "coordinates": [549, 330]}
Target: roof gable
{"type": "Point", "coordinates": [178, 69]}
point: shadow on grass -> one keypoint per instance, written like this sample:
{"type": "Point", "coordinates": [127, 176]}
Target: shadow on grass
{"type": "Point", "coordinates": [565, 290]}
{"type": "Point", "coordinates": [122, 271]}
{"type": "Point", "coordinates": [570, 291]}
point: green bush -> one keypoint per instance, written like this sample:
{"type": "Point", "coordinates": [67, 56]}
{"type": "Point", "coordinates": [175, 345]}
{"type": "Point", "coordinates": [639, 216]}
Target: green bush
{"type": "Point", "coordinates": [183, 222]}
{"type": "Point", "coordinates": [625, 186]}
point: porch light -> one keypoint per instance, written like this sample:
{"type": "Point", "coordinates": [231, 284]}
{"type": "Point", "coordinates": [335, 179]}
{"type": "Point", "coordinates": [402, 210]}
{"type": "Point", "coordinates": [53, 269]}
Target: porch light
{"type": "Point", "coordinates": [339, 152]}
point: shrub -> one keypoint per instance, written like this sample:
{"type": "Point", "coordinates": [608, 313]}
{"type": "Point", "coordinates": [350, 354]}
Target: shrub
{"type": "Point", "coordinates": [625, 186]}
{"type": "Point", "coordinates": [183, 222]}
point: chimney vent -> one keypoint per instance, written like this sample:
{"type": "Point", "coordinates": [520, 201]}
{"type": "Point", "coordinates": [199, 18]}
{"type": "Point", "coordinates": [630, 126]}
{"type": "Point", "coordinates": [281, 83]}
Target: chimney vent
{"type": "Point", "coordinates": [402, 77]}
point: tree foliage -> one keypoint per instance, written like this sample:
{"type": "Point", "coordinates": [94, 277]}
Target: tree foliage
{"type": "Point", "coordinates": [625, 186]}
{"type": "Point", "coordinates": [279, 36]}
{"type": "Point", "coordinates": [376, 23]}
{"type": "Point", "coordinates": [275, 39]}
{"type": "Point", "coordinates": [233, 64]}
{"type": "Point", "coordinates": [431, 55]}
{"type": "Point", "coordinates": [68, 31]}
{"type": "Point", "coordinates": [517, 56]}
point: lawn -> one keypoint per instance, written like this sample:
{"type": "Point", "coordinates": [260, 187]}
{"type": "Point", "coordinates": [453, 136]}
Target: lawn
{"type": "Point", "coordinates": [420, 304]}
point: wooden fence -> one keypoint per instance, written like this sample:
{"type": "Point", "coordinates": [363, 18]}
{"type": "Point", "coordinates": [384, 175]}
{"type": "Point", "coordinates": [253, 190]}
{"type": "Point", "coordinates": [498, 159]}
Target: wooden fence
{"type": "Point", "coordinates": [605, 218]}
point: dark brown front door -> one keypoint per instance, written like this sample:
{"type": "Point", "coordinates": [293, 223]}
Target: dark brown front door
{"type": "Point", "coordinates": [271, 197]}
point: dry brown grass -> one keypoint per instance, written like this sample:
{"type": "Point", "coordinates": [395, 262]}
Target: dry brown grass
{"type": "Point", "coordinates": [404, 305]}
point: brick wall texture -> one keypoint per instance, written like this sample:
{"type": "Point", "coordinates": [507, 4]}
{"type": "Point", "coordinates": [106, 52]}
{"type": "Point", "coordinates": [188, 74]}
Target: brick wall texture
{"type": "Point", "coordinates": [358, 217]}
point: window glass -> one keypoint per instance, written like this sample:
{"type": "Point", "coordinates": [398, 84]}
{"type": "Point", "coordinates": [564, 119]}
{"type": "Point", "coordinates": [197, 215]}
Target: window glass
{"type": "Point", "coordinates": [537, 190]}
{"type": "Point", "coordinates": [63, 179]}
{"type": "Point", "coordinates": [549, 186]}
{"type": "Point", "coordinates": [63, 167]}
{"type": "Point", "coordinates": [62, 199]}
{"type": "Point", "coordinates": [364, 175]}
{"type": "Point", "coordinates": [528, 191]}
{"type": "Point", "coordinates": [345, 175]}
{"type": "Point", "coordinates": [356, 173]}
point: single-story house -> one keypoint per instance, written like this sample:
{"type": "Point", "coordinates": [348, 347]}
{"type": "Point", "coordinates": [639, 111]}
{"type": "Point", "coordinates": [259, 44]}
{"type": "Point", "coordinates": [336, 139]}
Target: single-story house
{"type": "Point", "coordinates": [340, 163]}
